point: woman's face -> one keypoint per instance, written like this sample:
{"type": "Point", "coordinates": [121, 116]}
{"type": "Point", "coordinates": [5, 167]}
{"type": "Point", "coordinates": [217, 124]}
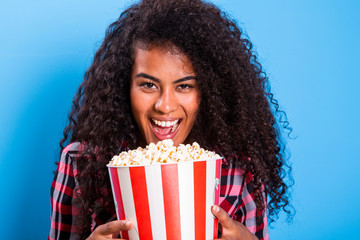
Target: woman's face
{"type": "Point", "coordinates": [164, 95]}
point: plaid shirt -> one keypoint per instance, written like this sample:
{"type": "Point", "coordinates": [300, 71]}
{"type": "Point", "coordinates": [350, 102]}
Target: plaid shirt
{"type": "Point", "coordinates": [236, 197]}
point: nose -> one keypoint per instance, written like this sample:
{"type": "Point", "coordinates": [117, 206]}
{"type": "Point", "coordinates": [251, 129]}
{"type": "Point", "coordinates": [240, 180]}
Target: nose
{"type": "Point", "coordinates": [166, 102]}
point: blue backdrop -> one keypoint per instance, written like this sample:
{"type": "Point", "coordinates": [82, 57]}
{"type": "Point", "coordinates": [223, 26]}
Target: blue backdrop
{"type": "Point", "coordinates": [308, 48]}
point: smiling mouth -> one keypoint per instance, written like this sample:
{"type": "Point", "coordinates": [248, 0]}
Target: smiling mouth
{"type": "Point", "coordinates": [165, 127]}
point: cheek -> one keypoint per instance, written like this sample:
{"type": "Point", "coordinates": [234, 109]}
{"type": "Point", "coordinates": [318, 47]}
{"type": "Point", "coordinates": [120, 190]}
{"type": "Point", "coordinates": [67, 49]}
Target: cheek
{"type": "Point", "coordinates": [136, 105]}
{"type": "Point", "coordinates": [192, 107]}
{"type": "Point", "coordinates": [196, 102]}
{"type": "Point", "coordinates": [141, 105]}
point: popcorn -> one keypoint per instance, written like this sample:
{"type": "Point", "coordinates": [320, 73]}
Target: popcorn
{"type": "Point", "coordinates": [162, 152]}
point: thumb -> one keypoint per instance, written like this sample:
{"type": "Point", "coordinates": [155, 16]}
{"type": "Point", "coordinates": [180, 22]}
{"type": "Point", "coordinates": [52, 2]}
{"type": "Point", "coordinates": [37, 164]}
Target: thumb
{"type": "Point", "coordinates": [114, 227]}
{"type": "Point", "coordinates": [222, 216]}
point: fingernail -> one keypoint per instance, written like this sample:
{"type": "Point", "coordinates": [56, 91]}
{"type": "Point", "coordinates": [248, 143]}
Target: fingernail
{"type": "Point", "coordinates": [216, 208]}
{"type": "Point", "coordinates": [128, 224]}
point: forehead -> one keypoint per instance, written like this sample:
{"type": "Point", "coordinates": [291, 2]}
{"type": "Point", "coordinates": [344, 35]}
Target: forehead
{"type": "Point", "coordinates": [166, 46]}
{"type": "Point", "coordinates": [164, 60]}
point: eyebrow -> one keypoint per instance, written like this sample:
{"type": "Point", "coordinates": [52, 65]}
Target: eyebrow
{"type": "Point", "coordinates": [144, 75]}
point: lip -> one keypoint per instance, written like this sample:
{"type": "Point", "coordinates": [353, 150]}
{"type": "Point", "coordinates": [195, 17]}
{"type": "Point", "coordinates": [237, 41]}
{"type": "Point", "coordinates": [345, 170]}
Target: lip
{"type": "Point", "coordinates": [161, 137]}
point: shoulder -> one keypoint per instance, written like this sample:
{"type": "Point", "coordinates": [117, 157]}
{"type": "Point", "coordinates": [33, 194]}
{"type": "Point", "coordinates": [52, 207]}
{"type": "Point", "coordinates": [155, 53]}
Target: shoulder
{"type": "Point", "coordinates": [236, 180]}
{"type": "Point", "coordinates": [66, 164]}
{"type": "Point", "coordinates": [72, 148]}
{"type": "Point", "coordinates": [233, 179]}
{"type": "Point", "coordinates": [231, 169]}
{"type": "Point", "coordinates": [237, 188]}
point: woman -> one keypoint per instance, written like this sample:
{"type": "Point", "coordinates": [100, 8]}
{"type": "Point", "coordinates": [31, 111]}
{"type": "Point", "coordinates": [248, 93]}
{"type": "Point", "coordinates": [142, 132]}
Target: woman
{"type": "Point", "coordinates": [180, 70]}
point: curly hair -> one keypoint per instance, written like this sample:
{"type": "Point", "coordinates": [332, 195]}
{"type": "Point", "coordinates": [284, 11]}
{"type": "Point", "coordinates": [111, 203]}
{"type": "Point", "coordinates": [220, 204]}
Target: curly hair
{"type": "Point", "coordinates": [237, 114]}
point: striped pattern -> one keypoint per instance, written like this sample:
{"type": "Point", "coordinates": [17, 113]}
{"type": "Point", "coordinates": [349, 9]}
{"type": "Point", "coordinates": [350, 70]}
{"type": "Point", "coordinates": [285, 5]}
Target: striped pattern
{"type": "Point", "coordinates": [236, 198]}
{"type": "Point", "coordinates": [179, 195]}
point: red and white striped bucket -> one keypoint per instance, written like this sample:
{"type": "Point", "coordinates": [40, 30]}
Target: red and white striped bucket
{"type": "Point", "coordinates": [168, 201]}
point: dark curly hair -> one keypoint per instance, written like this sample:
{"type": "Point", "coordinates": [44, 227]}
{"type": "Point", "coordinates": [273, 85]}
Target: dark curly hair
{"type": "Point", "coordinates": [237, 114]}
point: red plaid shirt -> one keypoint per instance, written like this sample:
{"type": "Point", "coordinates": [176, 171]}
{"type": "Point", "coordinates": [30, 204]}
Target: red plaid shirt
{"type": "Point", "coordinates": [236, 197]}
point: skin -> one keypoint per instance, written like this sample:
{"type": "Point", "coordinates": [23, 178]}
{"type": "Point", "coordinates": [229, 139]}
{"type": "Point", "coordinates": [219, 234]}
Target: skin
{"type": "Point", "coordinates": [231, 229]}
{"type": "Point", "coordinates": [163, 87]}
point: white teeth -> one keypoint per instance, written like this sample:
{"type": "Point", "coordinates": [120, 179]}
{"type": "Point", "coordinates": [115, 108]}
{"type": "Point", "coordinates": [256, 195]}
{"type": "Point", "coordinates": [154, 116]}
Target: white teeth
{"type": "Point", "coordinates": [166, 123]}
{"type": "Point", "coordinates": [174, 127]}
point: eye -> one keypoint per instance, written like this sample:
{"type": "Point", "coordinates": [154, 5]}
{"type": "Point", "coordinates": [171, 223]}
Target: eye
{"type": "Point", "coordinates": [148, 85]}
{"type": "Point", "coordinates": [185, 87]}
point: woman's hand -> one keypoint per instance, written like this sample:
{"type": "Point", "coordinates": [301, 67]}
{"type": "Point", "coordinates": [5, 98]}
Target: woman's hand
{"type": "Point", "coordinates": [110, 230]}
{"type": "Point", "coordinates": [231, 229]}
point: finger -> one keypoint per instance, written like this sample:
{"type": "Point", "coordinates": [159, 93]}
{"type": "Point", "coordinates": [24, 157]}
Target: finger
{"type": "Point", "coordinates": [222, 216]}
{"type": "Point", "coordinates": [114, 227]}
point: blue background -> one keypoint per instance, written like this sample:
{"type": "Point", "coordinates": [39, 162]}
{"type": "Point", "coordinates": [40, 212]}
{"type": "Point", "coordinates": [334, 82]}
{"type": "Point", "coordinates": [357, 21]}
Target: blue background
{"type": "Point", "coordinates": [309, 49]}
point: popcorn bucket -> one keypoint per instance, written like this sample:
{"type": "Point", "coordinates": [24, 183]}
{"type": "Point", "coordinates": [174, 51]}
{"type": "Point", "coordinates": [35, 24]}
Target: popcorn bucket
{"type": "Point", "coordinates": [168, 201]}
